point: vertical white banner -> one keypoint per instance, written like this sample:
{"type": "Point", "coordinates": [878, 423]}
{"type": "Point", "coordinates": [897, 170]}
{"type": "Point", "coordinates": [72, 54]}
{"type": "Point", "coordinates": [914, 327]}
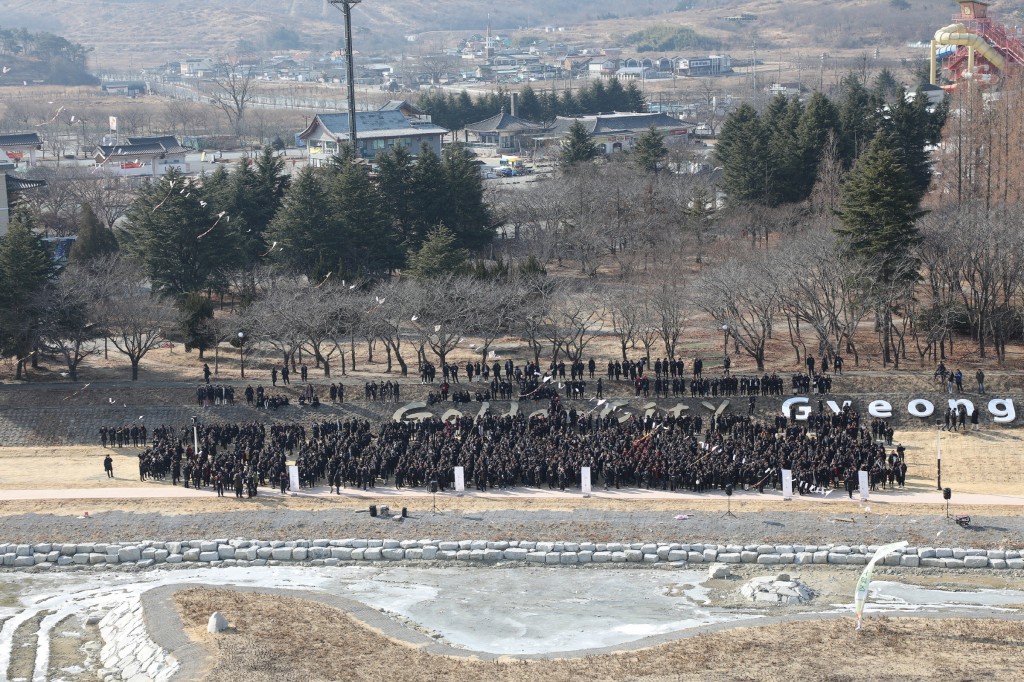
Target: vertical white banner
{"type": "Point", "coordinates": [460, 479]}
{"type": "Point", "coordinates": [113, 124]}
{"type": "Point", "coordinates": [787, 484]}
{"type": "Point", "coordinates": [862, 477]}
{"type": "Point", "coordinates": [585, 480]}
{"type": "Point", "coordinates": [293, 478]}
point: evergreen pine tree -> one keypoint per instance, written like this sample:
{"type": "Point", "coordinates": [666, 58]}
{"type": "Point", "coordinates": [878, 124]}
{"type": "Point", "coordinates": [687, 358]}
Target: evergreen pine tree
{"type": "Point", "coordinates": [172, 233]}
{"type": "Point", "coordinates": [397, 191]}
{"type": "Point", "coordinates": [819, 118]}
{"type": "Point", "coordinates": [908, 128]}
{"type": "Point", "coordinates": [649, 150]}
{"type": "Point", "coordinates": [742, 150]}
{"type": "Point", "coordinates": [428, 197]}
{"type": "Point", "coordinates": [578, 146]}
{"type": "Point", "coordinates": [305, 229]}
{"type": "Point", "coordinates": [635, 100]}
{"type": "Point", "coordinates": [439, 255]}
{"type": "Point", "coordinates": [367, 240]}
{"type": "Point", "coordinates": [26, 265]}
{"type": "Point", "coordinates": [94, 239]}
{"type": "Point", "coordinates": [529, 105]}
{"type": "Point", "coordinates": [466, 213]}
{"type": "Point", "coordinates": [858, 118]}
{"type": "Point", "coordinates": [195, 323]}
{"type": "Point", "coordinates": [879, 209]}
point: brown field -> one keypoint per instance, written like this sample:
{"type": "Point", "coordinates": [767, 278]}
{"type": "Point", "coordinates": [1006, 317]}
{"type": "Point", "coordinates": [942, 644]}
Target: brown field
{"type": "Point", "coordinates": [261, 645]}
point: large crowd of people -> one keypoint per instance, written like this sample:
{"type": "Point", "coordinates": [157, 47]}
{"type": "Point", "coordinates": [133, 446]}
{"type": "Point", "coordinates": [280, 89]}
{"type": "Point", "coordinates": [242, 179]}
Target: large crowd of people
{"type": "Point", "coordinates": [662, 451]}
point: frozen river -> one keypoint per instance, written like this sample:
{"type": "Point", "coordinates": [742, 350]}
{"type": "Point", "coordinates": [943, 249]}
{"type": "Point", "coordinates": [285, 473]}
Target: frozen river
{"type": "Point", "coordinates": [510, 611]}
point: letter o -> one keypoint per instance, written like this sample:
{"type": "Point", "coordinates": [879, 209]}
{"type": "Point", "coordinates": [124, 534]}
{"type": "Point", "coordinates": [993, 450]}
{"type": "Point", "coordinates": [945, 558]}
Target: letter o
{"type": "Point", "coordinates": [919, 407]}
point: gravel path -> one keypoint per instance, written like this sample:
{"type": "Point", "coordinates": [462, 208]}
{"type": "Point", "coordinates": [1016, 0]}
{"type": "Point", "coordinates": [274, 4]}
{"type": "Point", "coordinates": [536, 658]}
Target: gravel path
{"type": "Point", "coordinates": [580, 525]}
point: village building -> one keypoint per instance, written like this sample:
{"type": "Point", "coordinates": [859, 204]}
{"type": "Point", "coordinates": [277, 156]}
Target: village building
{"type": "Point", "coordinates": [711, 65]}
{"type": "Point", "coordinates": [503, 131]}
{"type": "Point", "coordinates": [152, 156]}
{"type": "Point", "coordinates": [20, 148]}
{"type": "Point", "coordinates": [618, 131]}
{"type": "Point", "coordinates": [376, 132]}
{"type": "Point", "coordinates": [10, 186]}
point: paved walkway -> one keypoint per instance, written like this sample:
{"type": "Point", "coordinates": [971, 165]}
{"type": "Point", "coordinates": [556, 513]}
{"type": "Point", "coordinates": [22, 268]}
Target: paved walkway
{"type": "Point", "coordinates": [163, 490]}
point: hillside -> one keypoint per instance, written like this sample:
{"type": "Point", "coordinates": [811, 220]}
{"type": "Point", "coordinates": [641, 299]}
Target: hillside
{"type": "Point", "coordinates": [140, 33]}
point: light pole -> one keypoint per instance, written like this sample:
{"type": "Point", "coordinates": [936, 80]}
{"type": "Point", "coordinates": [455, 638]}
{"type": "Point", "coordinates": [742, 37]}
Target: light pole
{"type": "Point", "coordinates": [195, 434]}
{"type": "Point", "coordinates": [725, 340]}
{"type": "Point", "coordinates": [241, 352]}
{"type": "Point", "coordinates": [346, 9]}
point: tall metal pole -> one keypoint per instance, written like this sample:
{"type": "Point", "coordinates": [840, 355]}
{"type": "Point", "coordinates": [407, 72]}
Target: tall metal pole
{"type": "Point", "coordinates": [351, 80]}
{"type": "Point", "coordinates": [346, 9]}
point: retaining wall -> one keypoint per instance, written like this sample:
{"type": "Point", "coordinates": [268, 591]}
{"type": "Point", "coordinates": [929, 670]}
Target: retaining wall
{"type": "Point", "coordinates": [241, 552]}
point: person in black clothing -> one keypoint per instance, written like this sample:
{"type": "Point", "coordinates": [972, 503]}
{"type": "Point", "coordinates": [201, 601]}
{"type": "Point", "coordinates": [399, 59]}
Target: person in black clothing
{"type": "Point", "coordinates": [108, 466]}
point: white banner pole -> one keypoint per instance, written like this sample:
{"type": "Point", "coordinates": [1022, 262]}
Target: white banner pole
{"type": "Point", "coordinates": [862, 477]}
{"type": "Point", "coordinates": [460, 479]}
{"type": "Point", "coordinates": [585, 481]}
{"type": "Point", "coordinates": [787, 484]}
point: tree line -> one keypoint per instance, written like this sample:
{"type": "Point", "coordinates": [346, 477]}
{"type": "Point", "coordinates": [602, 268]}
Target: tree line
{"type": "Point", "coordinates": [455, 111]}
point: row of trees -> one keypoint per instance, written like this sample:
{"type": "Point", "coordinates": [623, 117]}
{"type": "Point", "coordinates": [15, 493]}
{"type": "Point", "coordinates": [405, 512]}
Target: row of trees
{"type": "Point", "coordinates": [332, 221]}
{"type": "Point", "coordinates": [776, 156]}
{"type": "Point", "coordinates": [455, 111]}
{"type": "Point", "coordinates": [825, 299]}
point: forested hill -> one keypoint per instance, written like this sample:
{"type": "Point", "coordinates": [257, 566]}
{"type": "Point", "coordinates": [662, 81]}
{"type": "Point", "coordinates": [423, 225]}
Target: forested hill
{"type": "Point", "coordinates": [41, 57]}
{"type": "Point", "coordinates": [140, 30]}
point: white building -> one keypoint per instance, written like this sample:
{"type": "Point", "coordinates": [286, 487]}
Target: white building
{"type": "Point", "coordinates": [151, 156]}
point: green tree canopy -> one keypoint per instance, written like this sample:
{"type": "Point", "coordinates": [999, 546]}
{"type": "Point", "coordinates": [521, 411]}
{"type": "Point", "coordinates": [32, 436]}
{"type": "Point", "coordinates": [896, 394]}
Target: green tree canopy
{"type": "Point", "coordinates": [173, 234]}
{"type": "Point", "coordinates": [879, 209]}
{"type": "Point", "coordinates": [195, 323]}
{"type": "Point", "coordinates": [742, 150]}
{"type": "Point", "coordinates": [94, 239]}
{"type": "Point", "coordinates": [649, 150]}
{"type": "Point", "coordinates": [578, 146]}
{"type": "Point", "coordinates": [439, 256]}
{"type": "Point", "coordinates": [305, 230]}
{"type": "Point", "coordinates": [26, 265]}
{"type": "Point", "coordinates": [466, 212]}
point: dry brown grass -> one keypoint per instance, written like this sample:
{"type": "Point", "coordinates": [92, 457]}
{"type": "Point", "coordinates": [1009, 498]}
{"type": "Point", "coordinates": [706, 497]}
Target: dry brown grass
{"type": "Point", "coordinates": [187, 506]}
{"type": "Point", "coordinates": [277, 638]}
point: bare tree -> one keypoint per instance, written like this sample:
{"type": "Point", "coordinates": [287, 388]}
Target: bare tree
{"type": "Point", "coordinates": [234, 93]}
{"type": "Point", "coordinates": [326, 317]}
{"type": "Point", "coordinates": [571, 323]}
{"type": "Point", "coordinates": [668, 306]}
{"type": "Point", "coordinates": [133, 318]}
{"type": "Point", "coordinates": [827, 291]}
{"type": "Point", "coordinates": [496, 308]}
{"type": "Point", "coordinates": [443, 314]}
{"type": "Point", "coordinates": [67, 327]}
{"type": "Point", "coordinates": [741, 296]}
{"type": "Point", "coordinates": [626, 316]}
{"type": "Point", "coordinates": [276, 317]}
{"type": "Point", "coordinates": [388, 315]}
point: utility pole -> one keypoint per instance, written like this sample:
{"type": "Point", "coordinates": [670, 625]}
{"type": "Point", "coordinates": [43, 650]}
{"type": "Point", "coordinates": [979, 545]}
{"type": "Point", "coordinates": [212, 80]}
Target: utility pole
{"type": "Point", "coordinates": [346, 9]}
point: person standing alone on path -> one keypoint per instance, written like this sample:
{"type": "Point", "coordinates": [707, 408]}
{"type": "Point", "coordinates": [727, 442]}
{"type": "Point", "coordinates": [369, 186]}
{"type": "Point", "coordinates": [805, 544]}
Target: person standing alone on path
{"type": "Point", "coordinates": [979, 376]}
{"type": "Point", "coordinates": [108, 466]}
